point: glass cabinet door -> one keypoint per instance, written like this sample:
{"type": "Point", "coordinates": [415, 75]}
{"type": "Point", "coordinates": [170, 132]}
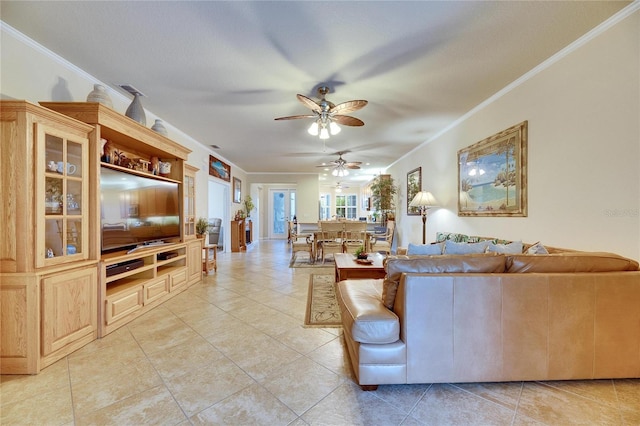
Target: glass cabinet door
{"type": "Point", "coordinates": [64, 167]}
{"type": "Point", "coordinates": [189, 206]}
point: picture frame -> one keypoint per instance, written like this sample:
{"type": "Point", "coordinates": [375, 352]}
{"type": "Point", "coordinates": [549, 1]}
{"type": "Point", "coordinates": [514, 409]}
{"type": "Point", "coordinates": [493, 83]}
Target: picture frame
{"type": "Point", "coordinates": [237, 190]}
{"type": "Point", "coordinates": [492, 175]}
{"type": "Point", "coordinates": [219, 169]}
{"type": "Point", "coordinates": [414, 185]}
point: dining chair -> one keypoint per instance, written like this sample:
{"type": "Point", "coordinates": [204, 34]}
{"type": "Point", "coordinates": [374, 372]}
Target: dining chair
{"type": "Point", "coordinates": [330, 238]}
{"type": "Point", "coordinates": [384, 242]}
{"type": "Point", "coordinates": [354, 237]}
{"type": "Point", "coordinates": [301, 243]}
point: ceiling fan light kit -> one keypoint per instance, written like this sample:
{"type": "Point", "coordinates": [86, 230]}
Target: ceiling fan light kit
{"type": "Point", "coordinates": [340, 172]}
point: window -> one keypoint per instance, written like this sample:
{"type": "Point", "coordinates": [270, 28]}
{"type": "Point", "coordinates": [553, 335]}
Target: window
{"type": "Point", "coordinates": [347, 206]}
{"type": "Point", "coordinates": [325, 207]}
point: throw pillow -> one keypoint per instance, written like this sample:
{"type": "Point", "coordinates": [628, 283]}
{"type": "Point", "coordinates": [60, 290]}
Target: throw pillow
{"type": "Point", "coordinates": [444, 236]}
{"type": "Point", "coordinates": [451, 247]}
{"type": "Point", "coordinates": [428, 249]}
{"type": "Point", "coordinates": [395, 266]}
{"type": "Point", "coordinates": [537, 248]}
{"type": "Point", "coordinates": [511, 248]}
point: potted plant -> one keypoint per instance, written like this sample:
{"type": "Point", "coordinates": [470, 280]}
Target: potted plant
{"type": "Point", "coordinates": [360, 253]}
{"type": "Point", "coordinates": [248, 205]}
{"type": "Point", "coordinates": [383, 191]}
{"type": "Point", "coordinates": [202, 227]}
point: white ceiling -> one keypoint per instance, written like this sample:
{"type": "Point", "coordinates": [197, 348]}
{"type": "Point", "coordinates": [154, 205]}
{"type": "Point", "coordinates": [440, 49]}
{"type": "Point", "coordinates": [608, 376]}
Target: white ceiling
{"type": "Point", "coordinates": [222, 71]}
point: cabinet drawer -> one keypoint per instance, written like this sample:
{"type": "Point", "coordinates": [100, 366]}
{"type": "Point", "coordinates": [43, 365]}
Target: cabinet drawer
{"type": "Point", "coordinates": [178, 278]}
{"type": "Point", "coordinates": [155, 289]}
{"type": "Point", "coordinates": [124, 303]}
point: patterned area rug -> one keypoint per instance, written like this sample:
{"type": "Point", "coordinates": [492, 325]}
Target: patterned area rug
{"type": "Point", "coordinates": [302, 261]}
{"type": "Point", "coordinates": [322, 306]}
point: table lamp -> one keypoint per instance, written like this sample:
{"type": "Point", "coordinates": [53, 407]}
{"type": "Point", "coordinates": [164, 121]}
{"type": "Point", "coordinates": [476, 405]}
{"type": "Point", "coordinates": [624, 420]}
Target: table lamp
{"type": "Point", "coordinates": [423, 200]}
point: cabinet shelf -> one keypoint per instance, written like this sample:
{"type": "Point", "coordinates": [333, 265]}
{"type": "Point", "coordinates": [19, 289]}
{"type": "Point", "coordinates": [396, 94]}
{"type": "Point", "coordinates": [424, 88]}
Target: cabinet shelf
{"type": "Point", "coordinates": [138, 172]}
{"type": "Point", "coordinates": [162, 263]}
{"type": "Point", "coordinates": [168, 269]}
{"type": "Point", "coordinates": [124, 284]}
{"type": "Point", "coordinates": [124, 275]}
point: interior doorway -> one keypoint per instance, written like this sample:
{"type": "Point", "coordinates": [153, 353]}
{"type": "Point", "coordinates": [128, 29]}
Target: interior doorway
{"type": "Point", "coordinates": [282, 209]}
{"type": "Point", "coordinates": [218, 194]}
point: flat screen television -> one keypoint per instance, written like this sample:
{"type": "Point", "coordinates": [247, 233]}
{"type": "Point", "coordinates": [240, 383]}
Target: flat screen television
{"type": "Point", "coordinates": [136, 210]}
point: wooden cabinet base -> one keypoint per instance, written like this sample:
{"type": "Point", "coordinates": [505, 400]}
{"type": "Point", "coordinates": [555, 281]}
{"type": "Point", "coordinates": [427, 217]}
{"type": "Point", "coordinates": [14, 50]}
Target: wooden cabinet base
{"type": "Point", "coordinates": [45, 317]}
{"type": "Point", "coordinates": [19, 324]}
{"type": "Point", "coordinates": [127, 295]}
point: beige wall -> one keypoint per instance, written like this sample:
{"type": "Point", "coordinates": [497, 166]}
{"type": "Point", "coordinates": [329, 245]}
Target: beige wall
{"type": "Point", "coordinates": [584, 152]}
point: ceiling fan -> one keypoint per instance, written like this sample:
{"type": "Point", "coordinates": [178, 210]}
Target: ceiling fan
{"type": "Point", "coordinates": [341, 166]}
{"type": "Point", "coordinates": [339, 187]}
{"type": "Point", "coordinates": [327, 115]}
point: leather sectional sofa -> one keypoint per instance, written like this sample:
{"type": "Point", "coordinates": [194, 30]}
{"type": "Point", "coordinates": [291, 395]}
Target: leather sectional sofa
{"type": "Point", "coordinates": [493, 318]}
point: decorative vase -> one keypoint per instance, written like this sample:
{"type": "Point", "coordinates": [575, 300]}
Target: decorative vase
{"type": "Point", "coordinates": [158, 127]}
{"type": "Point", "coordinates": [99, 94]}
{"type": "Point", "coordinates": [136, 111]}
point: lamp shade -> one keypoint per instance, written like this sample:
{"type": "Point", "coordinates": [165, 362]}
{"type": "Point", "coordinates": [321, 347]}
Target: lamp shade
{"type": "Point", "coordinates": [423, 199]}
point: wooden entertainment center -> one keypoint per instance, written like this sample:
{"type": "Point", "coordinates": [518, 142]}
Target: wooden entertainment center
{"type": "Point", "coordinates": [58, 290]}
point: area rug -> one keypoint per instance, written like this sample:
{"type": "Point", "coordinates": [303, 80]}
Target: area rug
{"type": "Point", "coordinates": [322, 305]}
{"type": "Point", "coordinates": [303, 262]}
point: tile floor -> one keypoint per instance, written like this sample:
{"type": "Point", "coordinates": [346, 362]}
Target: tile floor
{"type": "Point", "coordinates": [232, 350]}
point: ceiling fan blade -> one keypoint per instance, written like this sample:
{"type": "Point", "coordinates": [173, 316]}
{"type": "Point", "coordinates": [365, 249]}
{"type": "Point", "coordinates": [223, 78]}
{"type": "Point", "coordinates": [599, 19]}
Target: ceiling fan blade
{"type": "Point", "coordinates": [347, 120]}
{"type": "Point", "coordinates": [351, 166]}
{"type": "Point", "coordinates": [309, 103]}
{"type": "Point", "coordinates": [353, 163]}
{"type": "Point", "coordinates": [348, 106]}
{"type": "Point", "coordinates": [294, 117]}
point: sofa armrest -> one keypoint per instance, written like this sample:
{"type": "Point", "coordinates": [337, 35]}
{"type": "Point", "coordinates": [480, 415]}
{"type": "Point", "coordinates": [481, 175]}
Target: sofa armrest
{"type": "Point", "coordinates": [364, 317]}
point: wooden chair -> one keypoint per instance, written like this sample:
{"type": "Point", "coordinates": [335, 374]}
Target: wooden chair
{"type": "Point", "coordinates": [384, 242]}
{"type": "Point", "coordinates": [301, 243]}
{"type": "Point", "coordinates": [330, 238]}
{"type": "Point", "coordinates": [354, 237]}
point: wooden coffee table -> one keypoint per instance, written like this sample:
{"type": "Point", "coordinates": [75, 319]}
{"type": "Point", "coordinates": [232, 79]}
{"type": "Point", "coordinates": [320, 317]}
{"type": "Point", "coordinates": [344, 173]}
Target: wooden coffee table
{"type": "Point", "coordinates": [348, 268]}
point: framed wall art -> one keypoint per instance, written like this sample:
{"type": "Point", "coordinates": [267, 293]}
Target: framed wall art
{"type": "Point", "coordinates": [414, 185]}
{"type": "Point", "coordinates": [219, 169]}
{"type": "Point", "coordinates": [492, 175]}
{"type": "Point", "coordinates": [237, 190]}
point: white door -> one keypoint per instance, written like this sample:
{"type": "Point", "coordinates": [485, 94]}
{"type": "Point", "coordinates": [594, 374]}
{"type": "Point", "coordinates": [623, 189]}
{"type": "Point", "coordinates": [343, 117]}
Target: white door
{"type": "Point", "coordinates": [282, 209]}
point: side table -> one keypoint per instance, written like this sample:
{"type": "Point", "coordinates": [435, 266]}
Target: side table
{"type": "Point", "coordinates": [209, 258]}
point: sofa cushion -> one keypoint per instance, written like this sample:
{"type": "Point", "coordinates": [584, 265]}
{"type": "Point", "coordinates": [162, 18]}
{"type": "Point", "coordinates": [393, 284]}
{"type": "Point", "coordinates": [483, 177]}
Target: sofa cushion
{"type": "Point", "coordinates": [513, 248]}
{"type": "Point", "coordinates": [537, 248]}
{"type": "Point", "coordinates": [364, 317]}
{"type": "Point", "coordinates": [570, 262]}
{"type": "Point", "coordinates": [395, 266]}
{"type": "Point", "coordinates": [451, 247]}
{"type": "Point", "coordinates": [425, 249]}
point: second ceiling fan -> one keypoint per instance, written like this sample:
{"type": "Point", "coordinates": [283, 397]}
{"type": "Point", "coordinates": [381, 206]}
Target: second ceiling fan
{"type": "Point", "coordinates": [341, 166]}
{"type": "Point", "coordinates": [327, 115]}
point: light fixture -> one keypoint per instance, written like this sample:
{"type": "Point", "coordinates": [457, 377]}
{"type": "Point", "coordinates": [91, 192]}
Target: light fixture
{"type": "Point", "coordinates": [313, 129]}
{"type": "Point", "coordinates": [423, 200]}
{"type": "Point", "coordinates": [324, 127]}
{"type": "Point", "coordinates": [340, 172]}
